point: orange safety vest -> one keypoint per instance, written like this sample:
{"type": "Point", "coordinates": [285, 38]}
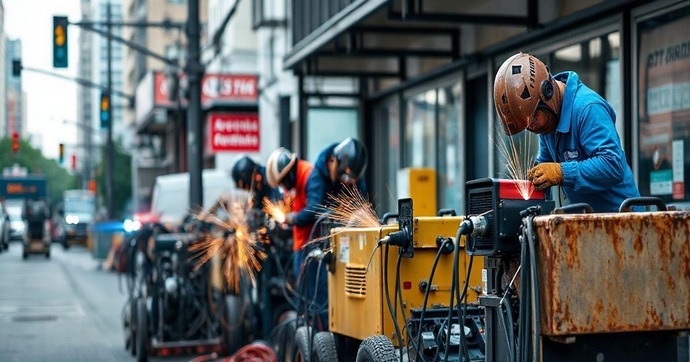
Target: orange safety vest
{"type": "Point", "coordinates": [300, 234]}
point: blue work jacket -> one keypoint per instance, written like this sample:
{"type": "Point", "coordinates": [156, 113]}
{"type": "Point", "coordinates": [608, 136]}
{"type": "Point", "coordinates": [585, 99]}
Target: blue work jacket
{"type": "Point", "coordinates": [320, 186]}
{"type": "Point", "coordinates": [588, 148]}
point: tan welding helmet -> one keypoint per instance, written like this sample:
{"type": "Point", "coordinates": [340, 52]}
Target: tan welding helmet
{"type": "Point", "coordinates": [279, 165]}
{"type": "Point", "coordinates": [523, 84]}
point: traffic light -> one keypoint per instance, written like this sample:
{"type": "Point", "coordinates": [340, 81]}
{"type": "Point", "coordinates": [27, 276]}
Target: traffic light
{"type": "Point", "coordinates": [105, 109]}
{"type": "Point", "coordinates": [16, 67]}
{"type": "Point", "coordinates": [62, 153]}
{"type": "Point", "coordinates": [74, 162]}
{"type": "Point", "coordinates": [60, 41]}
{"type": "Point", "coordinates": [15, 143]}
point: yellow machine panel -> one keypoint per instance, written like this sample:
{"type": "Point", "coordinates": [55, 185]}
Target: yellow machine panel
{"type": "Point", "coordinates": [357, 303]}
{"type": "Point", "coordinates": [419, 184]}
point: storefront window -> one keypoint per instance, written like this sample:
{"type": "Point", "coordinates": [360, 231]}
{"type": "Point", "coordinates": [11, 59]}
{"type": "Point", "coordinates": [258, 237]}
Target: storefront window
{"type": "Point", "coordinates": [420, 130]}
{"type": "Point", "coordinates": [450, 162]}
{"type": "Point", "coordinates": [387, 161]}
{"type": "Point", "coordinates": [663, 105]}
{"type": "Point", "coordinates": [597, 62]}
{"type": "Point", "coordinates": [328, 125]}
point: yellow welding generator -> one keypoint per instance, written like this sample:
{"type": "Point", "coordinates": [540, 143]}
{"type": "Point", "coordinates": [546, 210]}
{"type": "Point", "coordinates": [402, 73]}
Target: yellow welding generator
{"type": "Point", "coordinates": [368, 278]}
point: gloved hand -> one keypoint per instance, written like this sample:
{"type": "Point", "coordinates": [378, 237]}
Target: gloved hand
{"type": "Point", "coordinates": [290, 218]}
{"type": "Point", "coordinates": [545, 175]}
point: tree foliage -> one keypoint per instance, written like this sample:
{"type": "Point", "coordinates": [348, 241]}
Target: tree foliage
{"type": "Point", "coordinates": [122, 179]}
{"type": "Point", "coordinates": [58, 179]}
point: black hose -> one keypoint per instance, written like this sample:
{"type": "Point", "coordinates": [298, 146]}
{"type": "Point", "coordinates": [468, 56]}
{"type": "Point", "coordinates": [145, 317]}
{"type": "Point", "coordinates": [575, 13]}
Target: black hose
{"type": "Point", "coordinates": [402, 309]}
{"type": "Point", "coordinates": [426, 295]}
{"type": "Point", "coordinates": [463, 339]}
{"type": "Point", "coordinates": [453, 287]}
{"type": "Point", "coordinates": [313, 302]}
{"type": "Point", "coordinates": [462, 230]}
{"type": "Point", "coordinates": [524, 320]}
{"type": "Point", "coordinates": [535, 291]}
{"type": "Point", "coordinates": [388, 300]}
{"type": "Point", "coordinates": [510, 332]}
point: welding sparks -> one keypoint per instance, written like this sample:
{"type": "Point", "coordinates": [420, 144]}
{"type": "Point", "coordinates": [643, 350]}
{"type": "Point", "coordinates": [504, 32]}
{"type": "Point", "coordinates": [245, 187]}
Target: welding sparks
{"type": "Point", "coordinates": [277, 210]}
{"type": "Point", "coordinates": [518, 161]}
{"type": "Point", "coordinates": [351, 209]}
{"type": "Point", "coordinates": [236, 244]}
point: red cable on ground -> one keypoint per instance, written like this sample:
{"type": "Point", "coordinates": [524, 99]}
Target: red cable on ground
{"type": "Point", "coordinates": [255, 352]}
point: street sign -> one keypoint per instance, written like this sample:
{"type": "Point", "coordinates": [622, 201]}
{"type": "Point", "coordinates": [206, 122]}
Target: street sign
{"type": "Point", "coordinates": [234, 132]}
{"type": "Point", "coordinates": [105, 109]}
{"type": "Point", "coordinates": [60, 41]}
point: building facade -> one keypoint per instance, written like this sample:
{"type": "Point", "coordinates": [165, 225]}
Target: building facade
{"type": "Point", "coordinates": [13, 91]}
{"type": "Point", "coordinates": [3, 75]}
{"type": "Point", "coordinates": [85, 101]}
{"type": "Point", "coordinates": [159, 133]}
{"type": "Point", "coordinates": [425, 76]}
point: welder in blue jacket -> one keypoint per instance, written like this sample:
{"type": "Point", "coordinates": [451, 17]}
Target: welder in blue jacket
{"type": "Point", "coordinates": [339, 165]}
{"type": "Point", "coordinates": [579, 148]}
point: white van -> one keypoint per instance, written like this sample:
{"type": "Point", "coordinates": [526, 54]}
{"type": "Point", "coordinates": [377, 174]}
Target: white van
{"type": "Point", "coordinates": [170, 201]}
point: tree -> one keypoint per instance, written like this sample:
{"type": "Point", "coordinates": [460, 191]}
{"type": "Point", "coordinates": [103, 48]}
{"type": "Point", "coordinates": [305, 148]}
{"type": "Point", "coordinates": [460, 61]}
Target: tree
{"type": "Point", "coordinates": [58, 179]}
{"type": "Point", "coordinates": [122, 179]}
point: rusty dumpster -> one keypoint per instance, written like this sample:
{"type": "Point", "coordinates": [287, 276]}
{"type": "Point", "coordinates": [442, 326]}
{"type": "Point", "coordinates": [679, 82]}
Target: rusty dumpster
{"type": "Point", "coordinates": [614, 272]}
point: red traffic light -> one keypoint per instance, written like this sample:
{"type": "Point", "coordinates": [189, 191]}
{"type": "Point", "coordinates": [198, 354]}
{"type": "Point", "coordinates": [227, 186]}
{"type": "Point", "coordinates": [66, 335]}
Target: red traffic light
{"type": "Point", "coordinates": [15, 143]}
{"type": "Point", "coordinates": [74, 162]}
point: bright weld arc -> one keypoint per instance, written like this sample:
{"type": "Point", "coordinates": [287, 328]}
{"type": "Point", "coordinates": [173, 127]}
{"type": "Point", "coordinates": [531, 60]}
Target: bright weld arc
{"type": "Point", "coordinates": [518, 161]}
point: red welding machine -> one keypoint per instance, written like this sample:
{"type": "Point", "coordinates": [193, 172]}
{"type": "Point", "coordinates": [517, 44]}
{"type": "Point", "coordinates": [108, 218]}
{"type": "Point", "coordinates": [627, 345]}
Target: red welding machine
{"type": "Point", "coordinates": [500, 201]}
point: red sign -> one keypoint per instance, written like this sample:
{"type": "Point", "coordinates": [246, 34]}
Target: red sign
{"type": "Point", "coordinates": [221, 88]}
{"type": "Point", "coordinates": [234, 132]}
{"type": "Point", "coordinates": [224, 87]}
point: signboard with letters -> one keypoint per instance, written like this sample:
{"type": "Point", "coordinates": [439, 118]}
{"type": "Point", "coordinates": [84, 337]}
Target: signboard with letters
{"type": "Point", "coordinates": [233, 132]}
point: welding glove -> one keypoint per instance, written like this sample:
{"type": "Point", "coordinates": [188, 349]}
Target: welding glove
{"type": "Point", "coordinates": [545, 175]}
{"type": "Point", "coordinates": [290, 218]}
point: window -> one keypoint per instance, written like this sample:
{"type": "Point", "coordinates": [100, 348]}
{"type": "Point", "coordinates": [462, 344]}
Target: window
{"type": "Point", "coordinates": [387, 157]}
{"type": "Point", "coordinates": [328, 125]}
{"type": "Point", "coordinates": [420, 130]}
{"type": "Point", "coordinates": [451, 154]}
{"type": "Point", "coordinates": [663, 106]}
{"type": "Point", "coordinates": [597, 62]}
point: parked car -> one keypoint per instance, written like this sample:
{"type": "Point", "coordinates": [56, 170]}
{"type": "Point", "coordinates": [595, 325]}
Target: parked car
{"type": "Point", "coordinates": [17, 224]}
{"type": "Point", "coordinates": [4, 228]}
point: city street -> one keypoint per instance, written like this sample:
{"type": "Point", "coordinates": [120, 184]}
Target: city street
{"type": "Point", "coordinates": [59, 309]}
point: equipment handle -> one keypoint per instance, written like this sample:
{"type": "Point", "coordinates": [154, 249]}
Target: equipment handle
{"type": "Point", "coordinates": [581, 208]}
{"type": "Point", "coordinates": [627, 205]}
{"type": "Point", "coordinates": [446, 212]}
{"type": "Point", "coordinates": [387, 216]}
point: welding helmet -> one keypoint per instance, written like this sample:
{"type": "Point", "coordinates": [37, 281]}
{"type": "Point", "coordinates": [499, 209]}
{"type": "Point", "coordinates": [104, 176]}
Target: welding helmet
{"type": "Point", "coordinates": [352, 158]}
{"type": "Point", "coordinates": [523, 84]}
{"type": "Point", "coordinates": [280, 168]}
{"type": "Point", "coordinates": [243, 172]}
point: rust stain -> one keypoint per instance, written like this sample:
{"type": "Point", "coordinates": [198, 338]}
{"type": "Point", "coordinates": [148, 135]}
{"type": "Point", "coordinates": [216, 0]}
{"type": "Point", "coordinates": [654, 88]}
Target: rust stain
{"type": "Point", "coordinates": [614, 272]}
{"type": "Point", "coordinates": [637, 245]}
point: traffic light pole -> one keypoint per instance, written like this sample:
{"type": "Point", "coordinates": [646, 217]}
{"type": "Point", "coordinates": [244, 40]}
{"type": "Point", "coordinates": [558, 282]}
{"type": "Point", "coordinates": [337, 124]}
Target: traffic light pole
{"type": "Point", "coordinates": [110, 160]}
{"type": "Point", "coordinates": [194, 72]}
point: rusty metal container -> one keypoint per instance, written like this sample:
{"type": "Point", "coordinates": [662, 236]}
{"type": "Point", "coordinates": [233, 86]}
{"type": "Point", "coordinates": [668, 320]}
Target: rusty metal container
{"type": "Point", "coordinates": [617, 272]}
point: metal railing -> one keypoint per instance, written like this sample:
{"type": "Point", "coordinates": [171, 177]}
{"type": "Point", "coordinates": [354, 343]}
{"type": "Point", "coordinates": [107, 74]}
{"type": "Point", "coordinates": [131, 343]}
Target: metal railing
{"type": "Point", "coordinates": [309, 15]}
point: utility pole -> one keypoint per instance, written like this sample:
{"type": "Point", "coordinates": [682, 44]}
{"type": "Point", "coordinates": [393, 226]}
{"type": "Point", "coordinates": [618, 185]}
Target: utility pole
{"type": "Point", "coordinates": [110, 161]}
{"type": "Point", "coordinates": [195, 142]}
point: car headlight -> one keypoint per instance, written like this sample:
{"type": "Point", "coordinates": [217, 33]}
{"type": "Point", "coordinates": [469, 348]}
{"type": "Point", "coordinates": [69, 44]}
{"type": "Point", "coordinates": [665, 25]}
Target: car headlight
{"type": "Point", "coordinates": [17, 225]}
{"type": "Point", "coordinates": [131, 225]}
{"type": "Point", "coordinates": [72, 219]}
